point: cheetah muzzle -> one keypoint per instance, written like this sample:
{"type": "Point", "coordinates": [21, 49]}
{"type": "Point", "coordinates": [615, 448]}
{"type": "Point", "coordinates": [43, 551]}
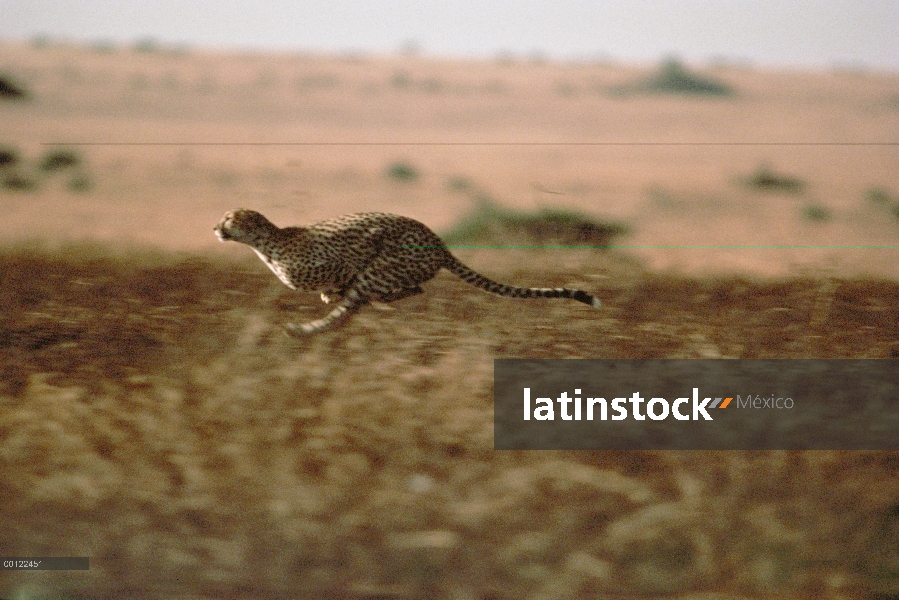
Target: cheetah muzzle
{"type": "Point", "coordinates": [354, 259]}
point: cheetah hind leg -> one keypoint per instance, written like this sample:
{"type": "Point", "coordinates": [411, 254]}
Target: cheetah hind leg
{"type": "Point", "coordinates": [351, 303]}
{"type": "Point", "coordinates": [332, 295]}
{"type": "Point", "coordinates": [400, 294]}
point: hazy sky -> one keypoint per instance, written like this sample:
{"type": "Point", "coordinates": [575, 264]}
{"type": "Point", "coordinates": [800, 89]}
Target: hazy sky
{"type": "Point", "coordinates": [822, 33]}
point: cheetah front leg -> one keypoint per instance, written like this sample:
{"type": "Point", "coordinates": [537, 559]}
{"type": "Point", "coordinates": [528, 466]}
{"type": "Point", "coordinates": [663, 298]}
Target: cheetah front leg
{"type": "Point", "coordinates": [351, 303]}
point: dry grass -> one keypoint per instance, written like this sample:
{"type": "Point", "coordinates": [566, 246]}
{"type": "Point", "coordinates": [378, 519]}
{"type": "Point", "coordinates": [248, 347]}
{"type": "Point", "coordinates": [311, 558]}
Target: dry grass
{"type": "Point", "coordinates": [154, 417]}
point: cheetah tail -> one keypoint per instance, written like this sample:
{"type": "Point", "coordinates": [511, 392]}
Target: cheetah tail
{"type": "Point", "coordinates": [478, 280]}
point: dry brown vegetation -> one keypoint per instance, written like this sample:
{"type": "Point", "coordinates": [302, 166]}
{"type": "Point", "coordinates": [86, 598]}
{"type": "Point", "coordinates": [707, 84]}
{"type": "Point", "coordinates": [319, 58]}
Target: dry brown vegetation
{"type": "Point", "coordinates": [155, 417]}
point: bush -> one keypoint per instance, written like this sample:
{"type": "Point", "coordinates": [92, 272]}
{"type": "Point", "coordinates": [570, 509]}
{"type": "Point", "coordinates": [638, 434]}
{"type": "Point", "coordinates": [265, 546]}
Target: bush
{"type": "Point", "coordinates": [879, 195]}
{"type": "Point", "coordinates": [58, 159]}
{"type": "Point", "coordinates": [673, 77]}
{"type": "Point", "coordinates": [764, 179]}
{"type": "Point", "coordinates": [402, 171]}
{"type": "Point", "coordinates": [459, 183]}
{"type": "Point", "coordinates": [41, 40]}
{"type": "Point", "coordinates": [816, 213]}
{"type": "Point", "coordinates": [80, 183]}
{"type": "Point", "coordinates": [18, 182]}
{"type": "Point", "coordinates": [490, 224]}
{"type": "Point", "coordinates": [883, 197]}
{"type": "Point", "coordinates": [147, 44]}
{"type": "Point", "coordinates": [10, 91]}
{"type": "Point", "coordinates": [400, 79]}
{"type": "Point", "coordinates": [8, 157]}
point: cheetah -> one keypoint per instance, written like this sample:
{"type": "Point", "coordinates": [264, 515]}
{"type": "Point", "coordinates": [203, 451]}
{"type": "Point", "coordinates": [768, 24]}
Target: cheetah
{"type": "Point", "coordinates": [361, 257]}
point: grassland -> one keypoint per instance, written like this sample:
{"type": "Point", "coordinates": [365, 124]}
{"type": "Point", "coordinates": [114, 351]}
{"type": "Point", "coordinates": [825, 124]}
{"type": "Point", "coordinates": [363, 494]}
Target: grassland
{"type": "Point", "coordinates": [155, 417]}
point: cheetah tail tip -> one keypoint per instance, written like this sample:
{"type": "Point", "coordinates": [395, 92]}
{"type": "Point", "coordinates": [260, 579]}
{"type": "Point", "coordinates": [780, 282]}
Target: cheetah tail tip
{"type": "Point", "coordinates": [596, 303]}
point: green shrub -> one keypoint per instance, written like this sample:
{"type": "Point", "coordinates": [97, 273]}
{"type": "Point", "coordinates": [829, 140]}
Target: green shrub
{"type": "Point", "coordinates": [879, 195]}
{"type": "Point", "coordinates": [816, 213]}
{"type": "Point", "coordinates": [80, 183]}
{"type": "Point", "coordinates": [41, 40]}
{"type": "Point", "coordinates": [58, 159]}
{"type": "Point", "coordinates": [8, 157]}
{"type": "Point", "coordinates": [400, 79]}
{"type": "Point", "coordinates": [17, 181]}
{"type": "Point", "coordinates": [9, 90]}
{"type": "Point", "coordinates": [672, 77]}
{"type": "Point", "coordinates": [493, 225]}
{"type": "Point", "coordinates": [146, 44]}
{"type": "Point", "coordinates": [459, 183]}
{"type": "Point", "coordinates": [402, 171]}
{"type": "Point", "coordinates": [764, 179]}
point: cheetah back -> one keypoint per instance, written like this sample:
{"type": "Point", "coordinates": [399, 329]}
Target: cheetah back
{"type": "Point", "coordinates": [375, 253]}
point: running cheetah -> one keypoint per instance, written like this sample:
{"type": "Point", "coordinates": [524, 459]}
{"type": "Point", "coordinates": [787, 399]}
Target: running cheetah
{"type": "Point", "coordinates": [359, 258]}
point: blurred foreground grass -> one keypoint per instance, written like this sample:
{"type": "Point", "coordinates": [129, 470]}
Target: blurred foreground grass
{"type": "Point", "coordinates": [154, 417]}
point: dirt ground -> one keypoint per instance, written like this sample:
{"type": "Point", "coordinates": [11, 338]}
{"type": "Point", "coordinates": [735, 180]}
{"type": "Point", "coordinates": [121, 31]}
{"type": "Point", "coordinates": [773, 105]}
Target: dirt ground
{"type": "Point", "coordinates": [154, 416]}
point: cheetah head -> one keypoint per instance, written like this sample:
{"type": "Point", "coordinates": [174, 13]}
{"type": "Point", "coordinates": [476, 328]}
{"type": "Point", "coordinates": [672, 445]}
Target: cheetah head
{"type": "Point", "coordinates": [243, 225]}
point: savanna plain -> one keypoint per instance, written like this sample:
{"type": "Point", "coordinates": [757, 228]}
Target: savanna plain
{"type": "Point", "coordinates": [155, 417]}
